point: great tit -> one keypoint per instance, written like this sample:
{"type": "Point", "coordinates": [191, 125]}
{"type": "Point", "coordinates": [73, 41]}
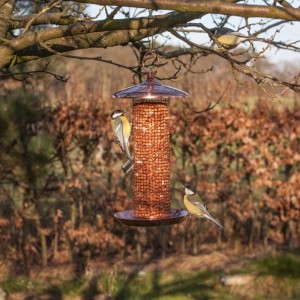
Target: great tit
{"type": "Point", "coordinates": [122, 131]}
{"type": "Point", "coordinates": [195, 206]}
{"type": "Point", "coordinates": [227, 37]}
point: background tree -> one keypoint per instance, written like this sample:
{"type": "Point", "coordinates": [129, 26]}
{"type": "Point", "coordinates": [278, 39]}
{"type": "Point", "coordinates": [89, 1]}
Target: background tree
{"type": "Point", "coordinates": [30, 30]}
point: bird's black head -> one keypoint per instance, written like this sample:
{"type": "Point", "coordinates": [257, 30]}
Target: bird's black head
{"type": "Point", "coordinates": [117, 113]}
{"type": "Point", "coordinates": [189, 190]}
{"type": "Point", "coordinates": [214, 31]}
{"type": "Point", "coordinates": [218, 31]}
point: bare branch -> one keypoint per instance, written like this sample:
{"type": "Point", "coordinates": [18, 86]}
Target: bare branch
{"type": "Point", "coordinates": [209, 107]}
{"type": "Point", "coordinates": [6, 9]}
{"type": "Point", "coordinates": [60, 18]}
{"type": "Point", "coordinates": [259, 77]}
{"type": "Point", "coordinates": [44, 10]}
{"type": "Point", "coordinates": [79, 34]}
{"type": "Point", "coordinates": [27, 74]}
{"type": "Point", "coordinates": [213, 7]}
{"type": "Point", "coordinates": [113, 13]}
{"type": "Point", "coordinates": [163, 21]}
{"type": "Point", "coordinates": [283, 3]}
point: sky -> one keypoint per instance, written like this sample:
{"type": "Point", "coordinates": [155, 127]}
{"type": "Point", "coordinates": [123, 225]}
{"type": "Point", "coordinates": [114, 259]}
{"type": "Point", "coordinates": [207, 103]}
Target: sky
{"type": "Point", "coordinates": [288, 32]}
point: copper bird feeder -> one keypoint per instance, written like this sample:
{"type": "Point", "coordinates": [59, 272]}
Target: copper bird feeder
{"type": "Point", "coordinates": [151, 152]}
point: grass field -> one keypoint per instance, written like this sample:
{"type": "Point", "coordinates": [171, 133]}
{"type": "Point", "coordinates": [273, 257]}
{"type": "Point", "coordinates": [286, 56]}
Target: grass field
{"type": "Point", "coordinates": [268, 277]}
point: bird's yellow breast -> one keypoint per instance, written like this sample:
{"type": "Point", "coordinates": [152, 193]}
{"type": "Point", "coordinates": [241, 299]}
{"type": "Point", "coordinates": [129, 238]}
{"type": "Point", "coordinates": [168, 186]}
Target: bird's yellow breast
{"type": "Point", "coordinates": [126, 126]}
{"type": "Point", "coordinates": [191, 207]}
{"type": "Point", "coordinates": [228, 40]}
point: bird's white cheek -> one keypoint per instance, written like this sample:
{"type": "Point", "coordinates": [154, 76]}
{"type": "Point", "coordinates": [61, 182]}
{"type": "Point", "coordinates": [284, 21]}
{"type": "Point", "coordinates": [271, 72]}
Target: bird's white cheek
{"type": "Point", "coordinates": [189, 192]}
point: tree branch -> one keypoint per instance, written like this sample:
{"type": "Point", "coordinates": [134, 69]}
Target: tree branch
{"type": "Point", "coordinates": [209, 107]}
{"type": "Point", "coordinates": [17, 22]}
{"type": "Point", "coordinates": [27, 74]}
{"type": "Point", "coordinates": [163, 21]}
{"type": "Point", "coordinates": [43, 11]}
{"type": "Point", "coordinates": [6, 10]}
{"type": "Point", "coordinates": [213, 7]}
{"type": "Point", "coordinates": [258, 76]}
{"type": "Point", "coordinates": [86, 39]}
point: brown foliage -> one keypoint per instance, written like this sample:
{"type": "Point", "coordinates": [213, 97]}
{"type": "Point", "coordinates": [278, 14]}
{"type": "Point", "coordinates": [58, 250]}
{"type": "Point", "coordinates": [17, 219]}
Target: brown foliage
{"type": "Point", "coordinates": [245, 165]}
{"type": "Point", "coordinates": [243, 159]}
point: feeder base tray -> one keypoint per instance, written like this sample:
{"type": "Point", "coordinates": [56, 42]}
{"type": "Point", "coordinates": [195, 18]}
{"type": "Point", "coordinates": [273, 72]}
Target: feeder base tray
{"type": "Point", "coordinates": [127, 218]}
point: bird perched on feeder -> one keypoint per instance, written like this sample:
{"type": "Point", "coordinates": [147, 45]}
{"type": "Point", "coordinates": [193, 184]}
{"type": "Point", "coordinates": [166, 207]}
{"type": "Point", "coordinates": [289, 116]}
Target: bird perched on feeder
{"type": "Point", "coordinates": [195, 206]}
{"type": "Point", "coordinates": [229, 38]}
{"type": "Point", "coordinates": [122, 131]}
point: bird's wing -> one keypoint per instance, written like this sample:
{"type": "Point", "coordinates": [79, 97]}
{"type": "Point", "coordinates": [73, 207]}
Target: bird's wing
{"type": "Point", "coordinates": [205, 212]}
{"type": "Point", "coordinates": [119, 133]}
{"type": "Point", "coordinates": [201, 206]}
{"type": "Point", "coordinates": [195, 199]}
{"type": "Point", "coordinates": [126, 132]}
{"type": "Point", "coordinates": [235, 33]}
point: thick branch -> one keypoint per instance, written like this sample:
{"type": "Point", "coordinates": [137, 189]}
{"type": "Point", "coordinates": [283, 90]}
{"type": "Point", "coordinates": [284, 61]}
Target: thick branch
{"type": "Point", "coordinates": [85, 41]}
{"type": "Point", "coordinates": [86, 28]}
{"type": "Point", "coordinates": [17, 22]}
{"type": "Point", "coordinates": [100, 26]}
{"type": "Point", "coordinates": [213, 7]}
{"type": "Point", "coordinates": [6, 10]}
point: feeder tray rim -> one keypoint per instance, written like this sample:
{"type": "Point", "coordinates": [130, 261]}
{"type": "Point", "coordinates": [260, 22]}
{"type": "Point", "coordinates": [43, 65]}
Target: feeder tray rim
{"type": "Point", "coordinates": [127, 218]}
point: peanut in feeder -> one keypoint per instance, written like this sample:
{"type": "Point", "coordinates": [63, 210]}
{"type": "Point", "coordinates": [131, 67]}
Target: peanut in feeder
{"type": "Point", "coordinates": [151, 152]}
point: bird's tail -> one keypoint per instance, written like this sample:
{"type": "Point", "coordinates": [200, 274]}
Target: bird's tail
{"type": "Point", "coordinates": [127, 166]}
{"type": "Point", "coordinates": [208, 216]}
{"type": "Point", "coordinates": [128, 153]}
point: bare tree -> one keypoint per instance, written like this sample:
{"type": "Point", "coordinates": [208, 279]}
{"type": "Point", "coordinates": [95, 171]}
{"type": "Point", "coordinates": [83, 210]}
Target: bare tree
{"type": "Point", "coordinates": [30, 30]}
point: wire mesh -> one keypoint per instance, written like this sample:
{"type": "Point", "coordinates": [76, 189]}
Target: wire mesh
{"type": "Point", "coordinates": [151, 182]}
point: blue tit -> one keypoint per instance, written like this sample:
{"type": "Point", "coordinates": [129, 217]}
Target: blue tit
{"type": "Point", "coordinates": [122, 131]}
{"type": "Point", "coordinates": [227, 37]}
{"type": "Point", "coordinates": [195, 206]}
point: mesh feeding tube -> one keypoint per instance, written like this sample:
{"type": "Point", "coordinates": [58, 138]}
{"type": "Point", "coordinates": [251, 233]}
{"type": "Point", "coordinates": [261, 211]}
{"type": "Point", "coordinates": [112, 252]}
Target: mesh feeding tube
{"type": "Point", "coordinates": [151, 138]}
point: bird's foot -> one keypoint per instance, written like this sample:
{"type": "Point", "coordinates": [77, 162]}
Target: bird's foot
{"type": "Point", "coordinates": [177, 211]}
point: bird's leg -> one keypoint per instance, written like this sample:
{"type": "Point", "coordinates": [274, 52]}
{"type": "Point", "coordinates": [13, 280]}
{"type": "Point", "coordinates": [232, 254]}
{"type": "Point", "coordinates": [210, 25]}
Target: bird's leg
{"type": "Point", "coordinates": [190, 216]}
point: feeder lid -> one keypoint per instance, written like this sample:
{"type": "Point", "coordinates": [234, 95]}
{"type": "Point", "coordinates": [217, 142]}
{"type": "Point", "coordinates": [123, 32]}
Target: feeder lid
{"type": "Point", "coordinates": [150, 89]}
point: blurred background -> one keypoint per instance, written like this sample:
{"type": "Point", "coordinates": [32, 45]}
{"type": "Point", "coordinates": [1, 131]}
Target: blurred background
{"type": "Point", "coordinates": [61, 183]}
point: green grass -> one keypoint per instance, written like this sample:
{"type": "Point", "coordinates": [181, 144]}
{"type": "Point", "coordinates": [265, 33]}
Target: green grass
{"type": "Point", "coordinates": [69, 287]}
{"type": "Point", "coordinates": [277, 277]}
{"type": "Point", "coordinates": [167, 286]}
{"type": "Point", "coordinates": [20, 284]}
{"type": "Point", "coordinates": [283, 265]}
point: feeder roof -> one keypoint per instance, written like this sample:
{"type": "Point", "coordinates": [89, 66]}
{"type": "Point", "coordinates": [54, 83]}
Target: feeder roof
{"type": "Point", "coordinates": [150, 89]}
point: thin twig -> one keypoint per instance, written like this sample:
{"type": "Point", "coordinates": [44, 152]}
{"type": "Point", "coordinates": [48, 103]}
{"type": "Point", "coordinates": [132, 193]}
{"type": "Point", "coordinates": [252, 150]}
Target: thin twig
{"type": "Point", "coordinates": [210, 105]}
{"type": "Point", "coordinates": [45, 9]}
{"type": "Point", "coordinates": [31, 73]}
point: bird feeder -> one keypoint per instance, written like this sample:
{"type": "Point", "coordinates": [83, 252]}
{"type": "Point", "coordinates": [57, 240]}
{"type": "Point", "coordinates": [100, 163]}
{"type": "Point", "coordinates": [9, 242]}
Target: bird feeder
{"type": "Point", "coordinates": [151, 152]}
